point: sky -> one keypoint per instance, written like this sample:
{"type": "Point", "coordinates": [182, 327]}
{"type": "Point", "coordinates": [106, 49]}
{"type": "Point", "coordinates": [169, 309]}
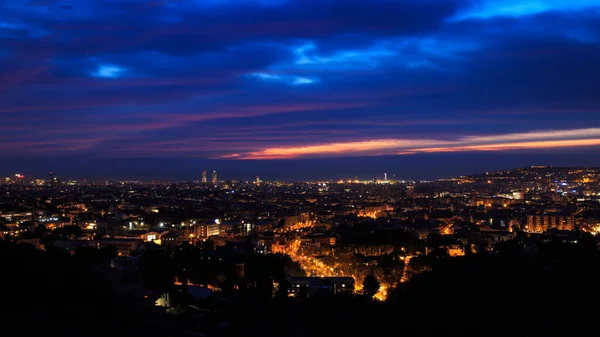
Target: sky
{"type": "Point", "coordinates": [297, 89]}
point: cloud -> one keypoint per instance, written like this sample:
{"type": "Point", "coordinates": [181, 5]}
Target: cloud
{"type": "Point", "coordinates": [11, 26]}
{"type": "Point", "coordinates": [404, 52]}
{"type": "Point", "coordinates": [488, 9]}
{"type": "Point", "coordinates": [55, 127]}
{"type": "Point", "coordinates": [108, 71]}
{"type": "Point", "coordinates": [57, 146]}
{"type": "Point", "coordinates": [287, 79]}
{"type": "Point", "coordinates": [528, 140]}
{"type": "Point", "coordinates": [307, 55]}
{"type": "Point", "coordinates": [190, 27]}
{"type": "Point", "coordinates": [16, 77]}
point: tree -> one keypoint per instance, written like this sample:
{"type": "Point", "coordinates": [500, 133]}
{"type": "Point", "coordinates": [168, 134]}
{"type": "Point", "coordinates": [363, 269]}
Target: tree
{"type": "Point", "coordinates": [294, 269]}
{"type": "Point", "coordinates": [510, 249]}
{"type": "Point", "coordinates": [89, 256]}
{"type": "Point", "coordinates": [370, 285]}
{"type": "Point", "coordinates": [208, 246]}
{"type": "Point", "coordinates": [157, 271]}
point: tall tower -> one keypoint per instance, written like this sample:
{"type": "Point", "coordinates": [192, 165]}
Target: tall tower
{"type": "Point", "coordinates": [214, 177]}
{"type": "Point", "coordinates": [204, 181]}
{"type": "Point", "coordinates": [385, 176]}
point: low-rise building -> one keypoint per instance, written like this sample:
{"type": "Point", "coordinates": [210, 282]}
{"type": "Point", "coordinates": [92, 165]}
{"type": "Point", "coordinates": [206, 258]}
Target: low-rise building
{"type": "Point", "coordinates": [311, 285]}
{"type": "Point", "coordinates": [124, 247]}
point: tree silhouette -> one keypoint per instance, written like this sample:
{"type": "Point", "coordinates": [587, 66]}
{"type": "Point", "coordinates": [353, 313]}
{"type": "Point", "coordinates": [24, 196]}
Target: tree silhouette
{"type": "Point", "coordinates": [370, 285]}
{"type": "Point", "coordinates": [282, 290]}
{"type": "Point", "coordinates": [157, 271]}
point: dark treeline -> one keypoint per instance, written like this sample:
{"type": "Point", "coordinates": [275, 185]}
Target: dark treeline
{"type": "Point", "coordinates": [58, 292]}
{"type": "Point", "coordinates": [521, 288]}
{"type": "Point", "coordinates": [53, 292]}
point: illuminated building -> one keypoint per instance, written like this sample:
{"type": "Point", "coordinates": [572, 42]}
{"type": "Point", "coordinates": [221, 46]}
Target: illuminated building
{"type": "Point", "coordinates": [204, 180]}
{"type": "Point", "coordinates": [542, 223]}
{"type": "Point", "coordinates": [455, 250]}
{"type": "Point", "coordinates": [277, 247]}
{"type": "Point", "coordinates": [173, 239]}
{"type": "Point", "coordinates": [206, 230]}
{"type": "Point", "coordinates": [214, 177]}
{"type": "Point", "coordinates": [153, 236]}
{"type": "Point", "coordinates": [53, 181]}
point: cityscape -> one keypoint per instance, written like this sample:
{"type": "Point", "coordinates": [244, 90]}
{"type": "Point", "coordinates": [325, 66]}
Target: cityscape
{"type": "Point", "coordinates": [300, 168]}
{"type": "Point", "coordinates": [192, 251]}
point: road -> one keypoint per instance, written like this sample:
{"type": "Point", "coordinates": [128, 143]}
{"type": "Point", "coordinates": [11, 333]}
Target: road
{"type": "Point", "coordinates": [314, 267]}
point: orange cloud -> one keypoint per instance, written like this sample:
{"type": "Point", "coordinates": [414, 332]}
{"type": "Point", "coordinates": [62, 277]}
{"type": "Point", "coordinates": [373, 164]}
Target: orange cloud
{"type": "Point", "coordinates": [515, 141]}
{"type": "Point", "coordinates": [333, 149]}
{"type": "Point", "coordinates": [514, 146]}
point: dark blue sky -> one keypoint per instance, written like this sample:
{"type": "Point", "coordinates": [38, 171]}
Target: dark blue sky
{"type": "Point", "coordinates": [297, 89]}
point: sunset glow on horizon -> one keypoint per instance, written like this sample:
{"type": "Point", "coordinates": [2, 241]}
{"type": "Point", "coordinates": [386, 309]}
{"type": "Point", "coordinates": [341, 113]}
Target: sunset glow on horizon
{"type": "Point", "coordinates": [519, 141]}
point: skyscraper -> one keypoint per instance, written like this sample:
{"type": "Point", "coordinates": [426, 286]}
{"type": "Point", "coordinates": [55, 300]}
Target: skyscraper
{"type": "Point", "coordinates": [214, 177]}
{"type": "Point", "coordinates": [204, 181]}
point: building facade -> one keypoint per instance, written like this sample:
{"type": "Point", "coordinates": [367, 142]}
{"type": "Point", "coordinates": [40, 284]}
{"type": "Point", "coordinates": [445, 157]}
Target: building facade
{"type": "Point", "coordinates": [542, 223]}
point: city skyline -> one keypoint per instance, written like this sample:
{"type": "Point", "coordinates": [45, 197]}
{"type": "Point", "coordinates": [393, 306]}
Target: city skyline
{"type": "Point", "coordinates": [376, 177]}
{"type": "Point", "coordinates": [297, 90]}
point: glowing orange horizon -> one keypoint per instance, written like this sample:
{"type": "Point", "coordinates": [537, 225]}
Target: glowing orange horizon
{"type": "Point", "coordinates": [515, 141]}
{"type": "Point", "coordinates": [513, 146]}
